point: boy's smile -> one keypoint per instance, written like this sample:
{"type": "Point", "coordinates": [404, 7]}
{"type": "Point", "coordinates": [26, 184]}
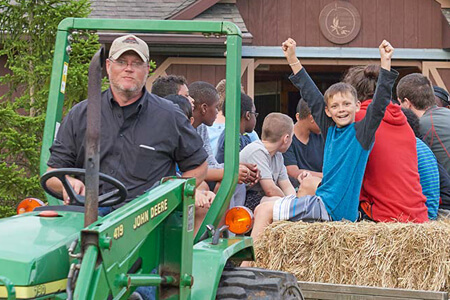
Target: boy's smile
{"type": "Point", "coordinates": [342, 109]}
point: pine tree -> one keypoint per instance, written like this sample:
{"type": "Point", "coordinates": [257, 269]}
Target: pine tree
{"type": "Point", "coordinates": [27, 37]}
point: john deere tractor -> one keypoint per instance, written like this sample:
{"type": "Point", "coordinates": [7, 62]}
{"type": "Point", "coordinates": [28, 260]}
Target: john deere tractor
{"type": "Point", "coordinates": [67, 252]}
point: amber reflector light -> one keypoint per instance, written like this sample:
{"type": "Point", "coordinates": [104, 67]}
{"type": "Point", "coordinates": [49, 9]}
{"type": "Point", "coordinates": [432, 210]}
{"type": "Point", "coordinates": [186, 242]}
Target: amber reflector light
{"type": "Point", "coordinates": [28, 205]}
{"type": "Point", "coordinates": [239, 219]}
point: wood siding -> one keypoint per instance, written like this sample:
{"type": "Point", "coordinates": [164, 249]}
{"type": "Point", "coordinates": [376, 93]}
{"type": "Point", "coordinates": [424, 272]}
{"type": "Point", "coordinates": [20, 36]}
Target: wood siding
{"type": "Point", "coordinates": [405, 23]}
{"type": "Point", "coordinates": [208, 73]}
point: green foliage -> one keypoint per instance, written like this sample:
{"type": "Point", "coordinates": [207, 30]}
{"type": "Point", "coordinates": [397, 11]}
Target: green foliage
{"type": "Point", "coordinates": [152, 64]}
{"type": "Point", "coordinates": [28, 31]}
{"type": "Point", "coordinates": [7, 211]}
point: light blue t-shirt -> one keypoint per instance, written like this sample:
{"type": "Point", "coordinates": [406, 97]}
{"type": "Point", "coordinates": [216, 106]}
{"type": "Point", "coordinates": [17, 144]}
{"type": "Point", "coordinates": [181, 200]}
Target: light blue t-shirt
{"type": "Point", "coordinates": [214, 132]}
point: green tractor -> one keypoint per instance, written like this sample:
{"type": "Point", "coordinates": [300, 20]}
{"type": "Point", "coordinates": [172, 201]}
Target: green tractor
{"type": "Point", "coordinates": [67, 252]}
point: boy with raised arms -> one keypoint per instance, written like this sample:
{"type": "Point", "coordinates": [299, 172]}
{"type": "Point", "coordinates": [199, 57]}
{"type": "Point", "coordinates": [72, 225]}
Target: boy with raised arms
{"type": "Point", "coordinates": [347, 146]}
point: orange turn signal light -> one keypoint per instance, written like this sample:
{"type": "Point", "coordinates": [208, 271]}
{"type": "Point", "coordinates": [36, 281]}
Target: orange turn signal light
{"type": "Point", "coordinates": [28, 205]}
{"type": "Point", "coordinates": [239, 219]}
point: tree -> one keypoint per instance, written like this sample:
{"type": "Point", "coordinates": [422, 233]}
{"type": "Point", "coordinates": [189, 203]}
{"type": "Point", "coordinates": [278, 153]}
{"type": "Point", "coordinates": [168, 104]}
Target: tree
{"type": "Point", "coordinates": [28, 31]}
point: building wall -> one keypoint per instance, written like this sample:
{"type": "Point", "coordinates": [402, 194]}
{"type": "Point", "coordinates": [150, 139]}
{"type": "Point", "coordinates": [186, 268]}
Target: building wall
{"type": "Point", "coordinates": [405, 23]}
{"type": "Point", "coordinates": [209, 73]}
{"type": "Point", "coordinates": [445, 75]}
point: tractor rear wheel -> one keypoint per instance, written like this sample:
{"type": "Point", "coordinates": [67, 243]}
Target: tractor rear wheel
{"type": "Point", "coordinates": [253, 283]}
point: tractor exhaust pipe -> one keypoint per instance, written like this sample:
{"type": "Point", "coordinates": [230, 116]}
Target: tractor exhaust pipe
{"type": "Point", "coordinates": [93, 137]}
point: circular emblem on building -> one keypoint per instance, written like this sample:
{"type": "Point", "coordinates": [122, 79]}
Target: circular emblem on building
{"type": "Point", "coordinates": [340, 22]}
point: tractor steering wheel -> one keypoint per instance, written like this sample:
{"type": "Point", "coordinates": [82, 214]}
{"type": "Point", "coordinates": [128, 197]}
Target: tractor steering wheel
{"type": "Point", "coordinates": [116, 196]}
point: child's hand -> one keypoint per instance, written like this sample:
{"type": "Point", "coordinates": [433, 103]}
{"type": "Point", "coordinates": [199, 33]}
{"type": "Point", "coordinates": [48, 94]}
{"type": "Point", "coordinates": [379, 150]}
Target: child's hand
{"type": "Point", "coordinates": [243, 174]}
{"type": "Point", "coordinates": [253, 175]}
{"type": "Point", "coordinates": [204, 198]}
{"type": "Point", "coordinates": [303, 175]}
{"type": "Point", "coordinates": [386, 52]}
{"type": "Point", "coordinates": [288, 48]}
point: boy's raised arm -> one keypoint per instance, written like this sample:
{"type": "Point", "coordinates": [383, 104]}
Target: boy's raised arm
{"type": "Point", "coordinates": [308, 89]}
{"type": "Point", "coordinates": [386, 52]}
{"type": "Point", "coordinates": [382, 97]}
{"type": "Point", "coordinates": [288, 48]}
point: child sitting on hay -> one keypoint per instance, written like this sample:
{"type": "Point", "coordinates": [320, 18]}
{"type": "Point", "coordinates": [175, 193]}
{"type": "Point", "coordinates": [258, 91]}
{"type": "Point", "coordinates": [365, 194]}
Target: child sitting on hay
{"type": "Point", "coordinates": [266, 154]}
{"type": "Point", "coordinates": [347, 146]}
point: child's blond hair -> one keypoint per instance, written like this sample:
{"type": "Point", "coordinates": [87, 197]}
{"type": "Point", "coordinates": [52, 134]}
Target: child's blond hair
{"type": "Point", "coordinates": [275, 126]}
{"type": "Point", "coordinates": [220, 87]}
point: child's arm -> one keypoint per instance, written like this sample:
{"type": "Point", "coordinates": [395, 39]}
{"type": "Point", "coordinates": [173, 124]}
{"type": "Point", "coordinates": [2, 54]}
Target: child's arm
{"type": "Point", "coordinates": [288, 48]}
{"type": "Point", "coordinates": [251, 156]}
{"type": "Point", "coordinates": [270, 188]}
{"type": "Point", "coordinates": [386, 52]}
{"type": "Point", "coordinates": [286, 186]}
{"type": "Point", "coordinates": [366, 128]}
{"type": "Point", "coordinates": [308, 90]}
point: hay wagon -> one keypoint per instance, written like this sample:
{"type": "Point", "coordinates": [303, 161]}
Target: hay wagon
{"type": "Point", "coordinates": [327, 291]}
{"type": "Point", "coordinates": [365, 260]}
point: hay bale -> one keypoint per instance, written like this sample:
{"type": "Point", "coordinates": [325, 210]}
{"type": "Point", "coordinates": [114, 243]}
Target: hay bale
{"type": "Point", "coordinates": [393, 255]}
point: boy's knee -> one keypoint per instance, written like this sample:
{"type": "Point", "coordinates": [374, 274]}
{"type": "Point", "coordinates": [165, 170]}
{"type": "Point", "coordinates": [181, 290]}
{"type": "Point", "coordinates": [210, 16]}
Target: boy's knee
{"type": "Point", "coordinates": [264, 208]}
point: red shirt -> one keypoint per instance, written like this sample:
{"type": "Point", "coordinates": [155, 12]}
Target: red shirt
{"type": "Point", "coordinates": [391, 182]}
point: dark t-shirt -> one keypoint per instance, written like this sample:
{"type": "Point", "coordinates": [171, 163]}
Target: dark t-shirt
{"type": "Point", "coordinates": [244, 140]}
{"type": "Point", "coordinates": [309, 156]}
{"type": "Point", "coordinates": [138, 150]}
{"type": "Point", "coordinates": [444, 184]}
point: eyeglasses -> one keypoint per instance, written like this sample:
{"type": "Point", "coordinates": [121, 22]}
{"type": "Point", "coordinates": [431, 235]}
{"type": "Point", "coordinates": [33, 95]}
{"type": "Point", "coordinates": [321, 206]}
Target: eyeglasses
{"type": "Point", "coordinates": [134, 64]}
{"type": "Point", "coordinates": [255, 113]}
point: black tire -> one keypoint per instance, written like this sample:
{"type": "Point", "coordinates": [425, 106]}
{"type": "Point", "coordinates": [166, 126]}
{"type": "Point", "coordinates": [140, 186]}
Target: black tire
{"type": "Point", "coordinates": [253, 283]}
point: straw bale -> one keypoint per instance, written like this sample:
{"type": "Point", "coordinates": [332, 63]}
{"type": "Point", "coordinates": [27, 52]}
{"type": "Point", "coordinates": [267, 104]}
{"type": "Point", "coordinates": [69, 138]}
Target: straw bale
{"type": "Point", "coordinates": [394, 255]}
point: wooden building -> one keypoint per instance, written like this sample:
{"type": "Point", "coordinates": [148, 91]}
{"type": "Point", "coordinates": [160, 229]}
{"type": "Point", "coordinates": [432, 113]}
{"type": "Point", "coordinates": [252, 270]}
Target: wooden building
{"type": "Point", "coordinates": [331, 35]}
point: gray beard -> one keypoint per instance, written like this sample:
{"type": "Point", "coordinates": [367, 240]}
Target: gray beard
{"type": "Point", "coordinates": [128, 93]}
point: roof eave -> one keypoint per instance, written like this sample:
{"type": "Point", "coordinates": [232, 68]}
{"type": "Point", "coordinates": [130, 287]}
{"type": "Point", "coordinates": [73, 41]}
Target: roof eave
{"type": "Point", "coordinates": [193, 10]}
{"type": "Point", "coordinates": [174, 39]}
{"type": "Point", "coordinates": [346, 53]}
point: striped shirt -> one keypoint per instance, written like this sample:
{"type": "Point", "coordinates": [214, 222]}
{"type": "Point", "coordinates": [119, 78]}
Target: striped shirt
{"type": "Point", "coordinates": [429, 177]}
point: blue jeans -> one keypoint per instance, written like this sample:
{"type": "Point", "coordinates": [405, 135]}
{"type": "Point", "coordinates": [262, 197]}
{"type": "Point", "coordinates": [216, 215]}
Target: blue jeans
{"type": "Point", "coordinates": [147, 292]}
{"type": "Point", "coordinates": [103, 211]}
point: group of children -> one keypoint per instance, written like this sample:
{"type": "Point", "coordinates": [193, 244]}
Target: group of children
{"type": "Point", "coordinates": [352, 153]}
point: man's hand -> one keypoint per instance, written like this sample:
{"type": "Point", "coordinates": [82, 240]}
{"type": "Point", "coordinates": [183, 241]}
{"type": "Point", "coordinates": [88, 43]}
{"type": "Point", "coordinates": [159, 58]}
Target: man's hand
{"type": "Point", "coordinates": [56, 185]}
{"type": "Point", "coordinates": [204, 198]}
{"type": "Point", "coordinates": [386, 52]}
{"type": "Point", "coordinates": [78, 187]}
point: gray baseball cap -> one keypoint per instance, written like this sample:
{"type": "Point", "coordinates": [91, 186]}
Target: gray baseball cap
{"type": "Point", "coordinates": [129, 43]}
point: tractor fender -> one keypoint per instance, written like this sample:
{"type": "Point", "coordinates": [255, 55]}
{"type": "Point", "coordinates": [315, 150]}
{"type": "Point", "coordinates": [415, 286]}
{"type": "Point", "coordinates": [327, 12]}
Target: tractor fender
{"type": "Point", "coordinates": [7, 290]}
{"type": "Point", "coordinates": [209, 262]}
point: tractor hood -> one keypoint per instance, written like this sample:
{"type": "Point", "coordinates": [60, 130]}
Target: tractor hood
{"type": "Point", "coordinates": [33, 248]}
